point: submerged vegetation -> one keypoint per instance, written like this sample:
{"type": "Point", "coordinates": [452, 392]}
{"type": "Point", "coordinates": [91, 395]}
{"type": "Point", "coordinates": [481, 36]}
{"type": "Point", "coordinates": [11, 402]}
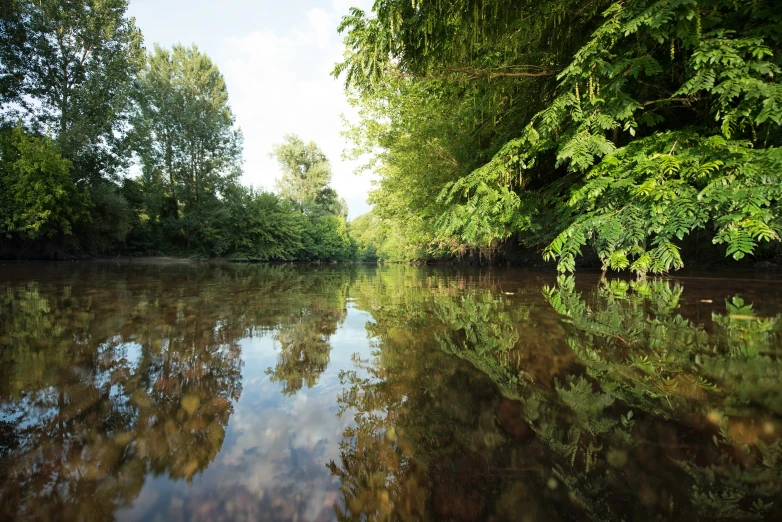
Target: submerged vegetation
{"type": "Point", "coordinates": [642, 130]}
{"type": "Point", "coordinates": [81, 103]}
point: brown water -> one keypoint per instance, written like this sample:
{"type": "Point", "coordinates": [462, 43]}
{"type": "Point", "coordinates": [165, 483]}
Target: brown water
{"type": "Point", "coordinates": [197, 392]}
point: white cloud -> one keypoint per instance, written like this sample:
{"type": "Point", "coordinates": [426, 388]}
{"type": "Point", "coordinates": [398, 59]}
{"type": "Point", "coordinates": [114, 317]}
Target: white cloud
{"type": "Point", "coordinates": [279, 82]}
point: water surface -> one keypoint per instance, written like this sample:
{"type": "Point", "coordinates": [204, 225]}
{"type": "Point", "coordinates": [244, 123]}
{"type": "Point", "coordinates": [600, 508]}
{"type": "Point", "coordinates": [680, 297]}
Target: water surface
{"type": "Point", "coordinates": [294, 393]}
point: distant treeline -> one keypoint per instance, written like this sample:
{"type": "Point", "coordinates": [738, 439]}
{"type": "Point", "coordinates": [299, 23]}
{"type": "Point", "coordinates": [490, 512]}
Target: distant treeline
{"type": "Point", "coordinates": [83, 105]}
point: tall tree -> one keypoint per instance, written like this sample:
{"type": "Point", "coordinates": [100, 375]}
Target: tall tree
{"type": "Point", "coordinates": [84, 55]}
{"type": "Point", "coordinates": [567, 124]}
{"type": "Point", "coordinates": [188, 142]}
{"type": "Point", "coordinates": [14, 51]}
{"type": "Point", "coordinates": [306, 177]}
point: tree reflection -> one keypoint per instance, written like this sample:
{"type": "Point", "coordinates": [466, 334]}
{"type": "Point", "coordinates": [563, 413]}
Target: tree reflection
{"type": "Point", "coordinates": [480, 401]}
{"type": "Point", "coordinates": [703, 397]}
{"type": "Point", "coordinates": [109, 374]}
{"type": "Point", "coordinates": [432, 438]}
{"type": "Point", "coordinates": [629, 412]}
{"type": "Point", "coordinates": [304, 340]}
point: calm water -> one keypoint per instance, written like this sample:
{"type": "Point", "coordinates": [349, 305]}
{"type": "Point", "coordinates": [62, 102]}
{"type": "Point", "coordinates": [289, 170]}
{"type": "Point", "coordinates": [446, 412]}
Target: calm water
{"type": "Point", "coordinates": [197, 392]}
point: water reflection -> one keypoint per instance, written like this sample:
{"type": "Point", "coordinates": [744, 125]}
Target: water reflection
{"type": "Point", "coordinates": [622, 410]}
{"type": "Point", "coordinates": [304, 342]}
{"type": "Point", "coordinates": [93, 403]}
{"type": "Point", "coordinates": [396, 393]}
{"type": "Point", "coordinates": [110, 376]}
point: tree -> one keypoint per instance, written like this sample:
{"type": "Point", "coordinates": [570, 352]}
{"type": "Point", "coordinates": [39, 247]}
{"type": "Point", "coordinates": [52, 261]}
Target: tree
{"type": "Point", "coordinates": [375, 238]}
{"type": "Point", "coordinates": [191, 141]}
{"type": "Point", "coordinates": [14, 51]}
{"type": "Point", "coordinates": [623, 128]}
{"type": "Point", "coordinates": [84, 55]}
{"type": "Point", "coordinates": [305, 183]}
{"type": "Point", "coordinates": [306, 174]}
{"type": "Point", "coordinates": [66, 68]}
{"type": "Point", "coordinates": [326, 238]}
{"type": "Point", "coordinates": [37, 196]}
{"type": "Point", "coordinates": [189, 146]}
{"type": "Point", "coordinates": [263, 227]}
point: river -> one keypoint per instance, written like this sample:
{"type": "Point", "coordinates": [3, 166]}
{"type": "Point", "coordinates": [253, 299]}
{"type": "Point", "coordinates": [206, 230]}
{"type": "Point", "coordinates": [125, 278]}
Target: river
{"type": "Point", "coordinates": [316, 393]}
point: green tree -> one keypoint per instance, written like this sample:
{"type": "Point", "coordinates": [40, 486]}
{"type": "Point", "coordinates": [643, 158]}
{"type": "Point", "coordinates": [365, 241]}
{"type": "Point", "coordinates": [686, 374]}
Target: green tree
{"type": "Point", "coordinates": [376, 238]}
{"type": "Point", "coordinates": [66, 68]}
{"type": "Point", "coordinates": [188, 144]}
{"type": "Point", "coordinates": [263, 227]}
{"type": "Point", "coordinates": [306, 174]}
{"type": "Point", "coordinates": [85, 54]}
{"type": "Point", "coordinates": [38, 199]}
{"type": "Point", "coordinates": [326, 238]}
{"type": "Point", "coordinates": [14, 51]}
{"type": "Point", "coordinates": [191, 143]}
{"type": "Point", "coordinates": [620, 127]}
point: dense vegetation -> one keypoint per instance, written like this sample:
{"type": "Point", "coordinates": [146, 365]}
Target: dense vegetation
{"type": "Point", "coordinates": [81, 103]}
{"type": "Point", "coordinates": [640, 134]}
{"type": "Point", "coordinates": [642, 130]}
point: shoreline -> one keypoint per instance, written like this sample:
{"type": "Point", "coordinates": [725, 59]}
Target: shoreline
{"type": "Point", "coordinates": [760, 266]}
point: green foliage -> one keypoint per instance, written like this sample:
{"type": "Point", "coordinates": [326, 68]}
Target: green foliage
{"type": "Point", "coordinates": [263, 227]}
{"type": "Point", "coordinates": [13, 50]}
{"type": "Point", "coordinates": [378, 239]}
{"type": "Point", "coordinates": [37, 197]}
{"type": "Point", "coordinates": [82, 57]}
{"type": "Point", "coordinates": [363, 232]}
{"type": "Point", "coordinates": [111, 220]}
{"type": "Point", "coordinates": [639, 201]}
{"type": "Point", "coordinates": [664, 118]}
{"type": "Point", "coordinates": [326, 238]}
{"type": "Point", "coordinates": [189, 146]}
{"type": "Point", "coordinates": [306, 174]}
{"type": "Point", "coordinates": [78, 68]}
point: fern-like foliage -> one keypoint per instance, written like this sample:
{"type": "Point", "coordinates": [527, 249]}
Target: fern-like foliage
{"type": "Point", "coordinates": [644, 384]}
{"type": "Point", "coordinates": [633, 340]}
{"type": "Point", "coordinates": [656, 144]}
{"type": "Point", "coordinates": [635, 205]}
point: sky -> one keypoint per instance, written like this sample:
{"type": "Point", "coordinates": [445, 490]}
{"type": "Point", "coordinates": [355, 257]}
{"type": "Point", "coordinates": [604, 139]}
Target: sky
{"type": "Point", "coordinates": [275, 446]}
{"type": "Point", "coordinates": [276, 57]}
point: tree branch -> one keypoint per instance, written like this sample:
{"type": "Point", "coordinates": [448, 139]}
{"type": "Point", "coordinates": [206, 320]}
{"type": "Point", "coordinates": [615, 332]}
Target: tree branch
{"type": "Point", "coordinates": [446, 73]}
{"type": "Point", "coordinates": [685, 101]}
{"type": "Point", "coordinates": [526, 71]}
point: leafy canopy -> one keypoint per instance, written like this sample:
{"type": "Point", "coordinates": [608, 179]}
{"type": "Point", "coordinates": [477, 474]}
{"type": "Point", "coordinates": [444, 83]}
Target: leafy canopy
{"type": "Point", "coordinates": [620, 127]}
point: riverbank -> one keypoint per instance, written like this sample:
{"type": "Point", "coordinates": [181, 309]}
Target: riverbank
{"type": "Point", "coordinates": [529, 261]}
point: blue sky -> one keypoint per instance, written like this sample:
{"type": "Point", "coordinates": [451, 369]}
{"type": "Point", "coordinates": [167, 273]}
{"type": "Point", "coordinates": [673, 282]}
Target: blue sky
{"type": "Point", "coordinates": [276, 57]}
